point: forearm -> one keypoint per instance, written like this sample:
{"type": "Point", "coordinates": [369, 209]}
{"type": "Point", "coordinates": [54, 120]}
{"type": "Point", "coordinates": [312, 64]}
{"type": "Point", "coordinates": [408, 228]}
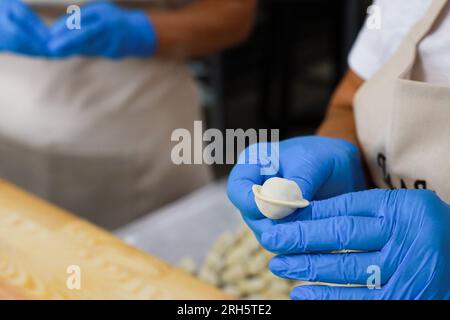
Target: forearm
{"type": "Point", "coordinates": [339, 121]}
{"type": "Point", "coordinates": [203, 27]}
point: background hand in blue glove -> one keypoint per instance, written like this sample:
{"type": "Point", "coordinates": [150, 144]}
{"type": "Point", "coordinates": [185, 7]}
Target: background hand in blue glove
{"type": "Point", "coordinates": [106, 31]}
{"type": "Point", "coordinates": [407, 234]}
{"type": "Point", "coordinates": [21, 30]}
{"type": "Point", "coordinates": [322, 167]}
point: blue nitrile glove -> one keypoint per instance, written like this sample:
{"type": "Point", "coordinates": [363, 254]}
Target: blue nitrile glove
{"type": "Point", "coordinates": [106, 31]}
{"type": "Point", "coordinates": [322, 167]}
{"type": "Point", "coordinates": [21, 30]}
{"type": "Point", "coordinates": [406, 234]}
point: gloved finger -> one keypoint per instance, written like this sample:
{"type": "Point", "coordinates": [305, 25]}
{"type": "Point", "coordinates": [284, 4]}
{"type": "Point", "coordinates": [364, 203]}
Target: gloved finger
{"type": "Point", "coordinates": [24, 42]}
{"type": "Point", "coordinates": [354, 179]}
{"type": "Point", "coordinates": [34, 25]}
{"type": "Point", "coordinates": [249, 171]}
{"type": "Point", "coordinates": [338, 233]}
{"type": "Point", "coordinates": [258, 226]}
{"type": "Point", "coordinates": [333, 293]}
{"type": "Point", "coordinates": [239, 189]}
{"type": "Point", "coordinates": [309, 176]}
{"type": "Point", "coordinates": [22, 24]}
{"type": "Point", "coordinates": [339, 268]}
{"type": "Point", "coordinates": [66, 42]}
{"type": "Point", "coordinates": [363, 203]}
{"type": "Point", "coordinates": [75, 41]}
{"type": "Point", "coordinates": [313, 165]}
{"type": "Point", "coordinates": [59, 27]}
{"type": "Point", "coordinates": [96, 45]}
{"type": "Point", "coordinates": [89, 15]}
{"type": "Point", "coordinates": [28, 21]}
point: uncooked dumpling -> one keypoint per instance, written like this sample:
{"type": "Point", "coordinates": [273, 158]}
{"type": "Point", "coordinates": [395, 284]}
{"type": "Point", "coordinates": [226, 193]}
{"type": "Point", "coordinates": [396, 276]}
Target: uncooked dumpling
{"type": "Point", "coordinates": [277, 198]}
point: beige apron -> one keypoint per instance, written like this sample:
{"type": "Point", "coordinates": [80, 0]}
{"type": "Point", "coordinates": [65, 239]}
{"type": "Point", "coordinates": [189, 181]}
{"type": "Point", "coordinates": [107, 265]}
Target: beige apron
{"type": "Point", "coordinates": [403, 124]}
{"type": "Point", "coordinates": [94, 135]}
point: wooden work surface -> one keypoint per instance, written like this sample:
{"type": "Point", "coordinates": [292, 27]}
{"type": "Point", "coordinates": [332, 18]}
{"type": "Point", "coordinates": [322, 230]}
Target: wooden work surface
{"type": "Point", "coordinates": [39, 242]}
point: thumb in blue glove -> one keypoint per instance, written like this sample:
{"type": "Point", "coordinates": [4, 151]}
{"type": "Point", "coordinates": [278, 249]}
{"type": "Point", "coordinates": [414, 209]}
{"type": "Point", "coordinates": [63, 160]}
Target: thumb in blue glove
{"type": "Point", "coordinates": [405, 233]}
{"type": "Point", "coordinates": [21, 30]}
{"type": "Point", "coordinates": [106, 31]}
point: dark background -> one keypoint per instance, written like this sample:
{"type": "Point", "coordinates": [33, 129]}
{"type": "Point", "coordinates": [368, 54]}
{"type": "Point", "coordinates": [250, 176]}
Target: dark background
{"type": "Point", "coordinates": [283, 76]}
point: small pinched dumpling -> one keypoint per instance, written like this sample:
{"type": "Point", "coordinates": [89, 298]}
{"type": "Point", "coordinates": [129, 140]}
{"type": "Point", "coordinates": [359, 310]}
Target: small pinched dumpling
{"type": "Point", "coordinates": [277, 198]}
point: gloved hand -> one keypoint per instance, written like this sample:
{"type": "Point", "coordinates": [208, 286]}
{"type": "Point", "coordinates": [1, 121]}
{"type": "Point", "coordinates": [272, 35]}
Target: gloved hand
{"type": "Point", "coordinates": [21, 30]}
{"type": "Point", "coordinates": [106, 31]}
{"type": "Point", "coordinates": [407, 234]}
{"type": "Point", "coordinates": [322, 167]}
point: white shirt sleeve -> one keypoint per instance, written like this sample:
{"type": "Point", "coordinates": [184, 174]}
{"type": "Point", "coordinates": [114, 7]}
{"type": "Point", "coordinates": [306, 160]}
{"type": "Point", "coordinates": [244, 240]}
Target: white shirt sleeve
{"type": "Point", "coordinates": [374, 46]}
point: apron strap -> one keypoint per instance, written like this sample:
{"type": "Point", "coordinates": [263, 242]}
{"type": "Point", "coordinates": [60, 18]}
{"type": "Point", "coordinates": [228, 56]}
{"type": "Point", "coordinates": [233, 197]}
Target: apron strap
{"type": "Point", "coordinates": [423, 27]}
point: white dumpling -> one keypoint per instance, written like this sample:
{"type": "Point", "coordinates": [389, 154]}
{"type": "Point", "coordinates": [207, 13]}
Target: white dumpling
{"type": "Point", "coordinates": [277, 198]}
{"type": "Point", "coordinates": [281, 189]}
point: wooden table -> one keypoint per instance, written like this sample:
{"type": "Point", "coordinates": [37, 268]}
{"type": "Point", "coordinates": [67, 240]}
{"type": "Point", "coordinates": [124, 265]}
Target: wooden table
{"type": "Point", "coordinates": [47, 253]}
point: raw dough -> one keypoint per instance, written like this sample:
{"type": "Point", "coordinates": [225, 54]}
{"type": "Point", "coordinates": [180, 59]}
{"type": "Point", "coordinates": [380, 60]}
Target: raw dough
{"type": "Point", "coordinates": [239, 266]}
{"type": "Point", "coordinates": [277, 198]}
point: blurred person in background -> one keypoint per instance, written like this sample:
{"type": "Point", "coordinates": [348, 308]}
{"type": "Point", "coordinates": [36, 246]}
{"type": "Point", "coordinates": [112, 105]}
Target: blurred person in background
{"type": "Point", "coordinates": [87, 114]}
{"type": "Point", "coordinates": [393, 109]}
